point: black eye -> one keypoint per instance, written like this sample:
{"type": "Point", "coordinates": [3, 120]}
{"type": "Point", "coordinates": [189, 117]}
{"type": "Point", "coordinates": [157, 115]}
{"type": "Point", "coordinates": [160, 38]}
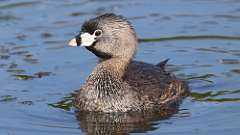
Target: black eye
{"type": "Point", "coordinates": [98, 33]}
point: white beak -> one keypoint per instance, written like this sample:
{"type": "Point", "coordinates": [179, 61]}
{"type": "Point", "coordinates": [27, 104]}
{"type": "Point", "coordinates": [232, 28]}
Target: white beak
{"type": "Point", "coordinates": [72, 42]}
{"type": "Point", "coordinates": [86, 40]}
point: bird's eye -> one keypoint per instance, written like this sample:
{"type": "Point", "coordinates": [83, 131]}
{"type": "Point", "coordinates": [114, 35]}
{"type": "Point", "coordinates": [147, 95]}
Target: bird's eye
{"type": "Point", "coordinates": [98, 33]}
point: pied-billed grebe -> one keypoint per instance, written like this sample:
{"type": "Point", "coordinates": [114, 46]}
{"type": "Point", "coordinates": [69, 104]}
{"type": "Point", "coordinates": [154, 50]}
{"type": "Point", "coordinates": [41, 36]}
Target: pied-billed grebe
{"type": "Point", "coordinates": [119, 84]}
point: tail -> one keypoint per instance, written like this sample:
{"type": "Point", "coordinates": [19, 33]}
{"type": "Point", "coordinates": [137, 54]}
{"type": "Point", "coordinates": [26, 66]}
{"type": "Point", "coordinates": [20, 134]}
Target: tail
{"type": "Point", "coordinates": [162, 64]}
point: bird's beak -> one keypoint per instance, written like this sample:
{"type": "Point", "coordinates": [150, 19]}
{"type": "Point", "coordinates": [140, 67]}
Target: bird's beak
{"type": "Point", "coordinates": [85, 39]}
{"type": "Point", "coordinates": [73, 42]}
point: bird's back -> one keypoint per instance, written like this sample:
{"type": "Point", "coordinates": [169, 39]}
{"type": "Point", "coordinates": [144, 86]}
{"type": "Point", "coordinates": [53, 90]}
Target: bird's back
{"type": "Point", "coordinates": [154, 85]}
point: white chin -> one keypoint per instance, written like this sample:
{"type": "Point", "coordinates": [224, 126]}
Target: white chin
{"type": "Point", "coordinates": [72, 42]}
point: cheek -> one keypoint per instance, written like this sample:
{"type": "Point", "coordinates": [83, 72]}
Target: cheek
{"type": "Point", "coordinates": [106, 44]}
{"type": "Point", "coordinates": [103, 47]}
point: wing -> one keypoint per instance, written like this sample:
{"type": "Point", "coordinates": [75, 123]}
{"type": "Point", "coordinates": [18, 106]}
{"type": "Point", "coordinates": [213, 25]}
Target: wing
{"type": "Point", "coordinates": [154, 85]}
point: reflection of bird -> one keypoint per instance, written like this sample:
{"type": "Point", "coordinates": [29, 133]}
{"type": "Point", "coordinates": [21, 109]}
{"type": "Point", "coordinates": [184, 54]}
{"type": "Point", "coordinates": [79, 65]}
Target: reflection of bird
{"type": "Point", "coordinates": [119, 84]}
{"type": "Point", "coordinates": [122, 123]}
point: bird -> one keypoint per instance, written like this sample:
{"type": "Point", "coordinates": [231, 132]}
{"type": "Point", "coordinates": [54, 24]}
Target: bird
{"type": "Point", "coordinates": [119, 83]}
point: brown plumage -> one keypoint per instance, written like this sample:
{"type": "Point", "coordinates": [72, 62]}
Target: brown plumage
{"type": "Point", "coordinates": [119, 84]}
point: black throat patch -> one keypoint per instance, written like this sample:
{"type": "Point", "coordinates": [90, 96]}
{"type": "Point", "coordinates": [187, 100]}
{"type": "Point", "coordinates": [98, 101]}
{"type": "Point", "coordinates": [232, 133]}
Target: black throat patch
{"type": "Point", "coordinates": [99, 54]}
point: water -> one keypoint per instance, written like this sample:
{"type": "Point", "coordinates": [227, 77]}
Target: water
{"type": "Point", "coordinates": [37, 68]}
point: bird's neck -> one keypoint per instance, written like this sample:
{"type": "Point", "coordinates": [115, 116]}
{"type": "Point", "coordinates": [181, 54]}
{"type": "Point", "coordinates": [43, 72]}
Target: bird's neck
{"type": "Point", "coordinates": [107, 78]}
{"type": "Point", "coordinates": [115, 66]}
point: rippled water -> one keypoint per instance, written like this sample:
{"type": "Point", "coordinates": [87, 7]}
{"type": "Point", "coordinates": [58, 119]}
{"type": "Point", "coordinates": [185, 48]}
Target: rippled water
{"type": "Point", "coordinates": [39, 72]}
